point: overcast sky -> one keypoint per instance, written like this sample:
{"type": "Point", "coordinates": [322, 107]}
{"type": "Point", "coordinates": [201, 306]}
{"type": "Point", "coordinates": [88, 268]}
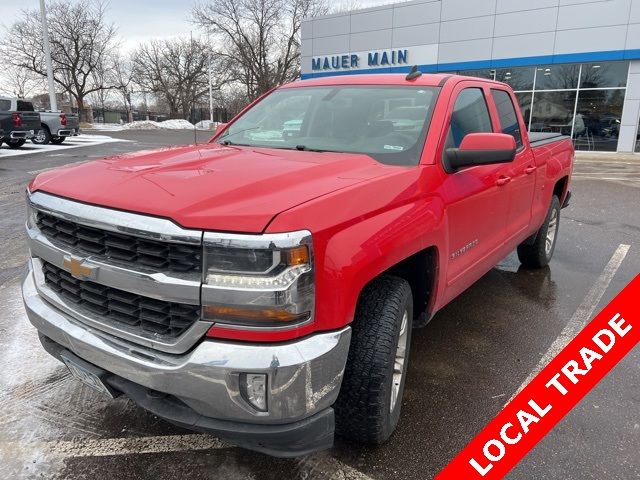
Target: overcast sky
{"type": "Point", "coordinates": [140, 20]}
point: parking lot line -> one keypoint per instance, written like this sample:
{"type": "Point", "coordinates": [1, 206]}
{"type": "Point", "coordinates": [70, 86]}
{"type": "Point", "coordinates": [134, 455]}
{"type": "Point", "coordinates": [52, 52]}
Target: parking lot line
{"type": "Point", "coordinates": [76, 142]}
{"type": "Point", "coordinates": [581, 315]}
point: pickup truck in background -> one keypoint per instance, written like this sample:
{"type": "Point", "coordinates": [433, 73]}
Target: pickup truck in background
{"type": "Point", "coordinates": [56, 127]}
{"type": "Point", "coordinates": [18, 122]}
{"type": "Point", "coordinates": [263, 287]}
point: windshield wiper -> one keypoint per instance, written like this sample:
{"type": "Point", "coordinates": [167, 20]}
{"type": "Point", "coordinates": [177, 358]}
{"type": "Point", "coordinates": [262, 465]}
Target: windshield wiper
{"type": "Point", "coordinates": [229, 142]}
{"type": "Point", "coordinates": [304, 148]}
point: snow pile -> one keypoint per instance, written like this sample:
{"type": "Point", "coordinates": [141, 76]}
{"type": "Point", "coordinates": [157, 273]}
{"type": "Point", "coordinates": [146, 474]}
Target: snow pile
{"type": "Point", "coordinates": [177, 124]}
{"type": "Point", "coordinates": [105, 127]}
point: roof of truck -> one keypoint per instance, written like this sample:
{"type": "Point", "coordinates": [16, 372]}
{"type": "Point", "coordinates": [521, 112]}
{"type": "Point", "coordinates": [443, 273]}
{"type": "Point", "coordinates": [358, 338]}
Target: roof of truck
{"type": "Point", "coordinates": [427, 80]}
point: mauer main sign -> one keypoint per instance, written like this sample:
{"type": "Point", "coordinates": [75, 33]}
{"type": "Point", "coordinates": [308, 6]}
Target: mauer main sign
{"type": "Point", "coordinates": [382, 58]}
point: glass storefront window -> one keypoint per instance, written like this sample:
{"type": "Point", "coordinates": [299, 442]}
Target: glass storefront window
{"type": "Point", "coordinates": [520, 78]}
{"type": "Point", "coordinates": [553, 112]}
{"type": "Point", "coordinates": [597, 122]}
{"type": "Point", "coordinates": [557, 77]}
{"type": "Point", "coordinates": [638, 138]}
{"type": "Point", "coordinates": [488, 74]}
{"type": "Point", "coordinates": [547, 98]}
{"type": "Point", "coordinates": [524, 99]}
{"type": "Point", "coordinates": [604, 75]}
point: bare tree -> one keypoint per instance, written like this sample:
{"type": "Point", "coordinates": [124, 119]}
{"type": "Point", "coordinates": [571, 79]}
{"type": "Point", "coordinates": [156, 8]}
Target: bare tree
{"type": "Point", "coordinates": [20, 81]}
{"type": "Point", "coordinates": [259, 39]}
{"type": "Point", "coordinates": [80, 38]}
{"type": "Point", "coordinates": [122, 80]}
{"type": "Point", "coordinates": [175, 70]}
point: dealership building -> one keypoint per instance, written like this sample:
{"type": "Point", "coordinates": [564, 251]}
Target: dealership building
{"type": "Point", "coordinates": [574, 64]}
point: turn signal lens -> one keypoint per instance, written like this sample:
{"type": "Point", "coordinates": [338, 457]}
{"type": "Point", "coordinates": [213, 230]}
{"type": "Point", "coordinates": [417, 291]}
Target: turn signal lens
{"type": "Point", "coordinates": [250, 316]}
{"type": "Point", "coordinates": [297, 256]}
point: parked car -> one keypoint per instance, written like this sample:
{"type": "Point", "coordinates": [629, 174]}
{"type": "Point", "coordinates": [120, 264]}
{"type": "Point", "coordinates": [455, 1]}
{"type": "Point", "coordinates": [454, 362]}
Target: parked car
{"type": "Point", "coordinates": [263, 287]}
{"type": "Point", "coordinates": [56, 127]}
{"type": "Point", "coordinates": [18, 121]}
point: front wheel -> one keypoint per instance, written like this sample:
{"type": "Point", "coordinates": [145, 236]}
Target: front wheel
{"type": "Point", "coordinates": [538, 254]}
{"type": "Point", "coordinates": [368, 407]}
{"type": "Point", "coordinates": [57, 140]}
{"type": "Point", "coordinates": [16, 142]}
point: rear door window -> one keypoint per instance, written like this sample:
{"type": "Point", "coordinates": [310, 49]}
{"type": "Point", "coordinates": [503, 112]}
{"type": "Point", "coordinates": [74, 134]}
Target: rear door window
{"type": "Point", "coordinates": [507, 113]}
{"type": "Point", "coordinates": [25, 106]}
{"type": "Point", "coordinates": [470, 115]}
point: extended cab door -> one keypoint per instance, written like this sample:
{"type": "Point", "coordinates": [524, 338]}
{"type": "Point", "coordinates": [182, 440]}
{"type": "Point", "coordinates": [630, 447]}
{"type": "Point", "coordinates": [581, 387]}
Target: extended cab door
{"type": "Point", "coordinates": [477, 200]}
{"type": "Point", "coordinates": [520, 172]}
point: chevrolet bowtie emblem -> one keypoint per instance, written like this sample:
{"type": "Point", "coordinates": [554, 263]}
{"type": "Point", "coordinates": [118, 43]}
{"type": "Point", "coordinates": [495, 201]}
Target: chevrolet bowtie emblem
{"type": "Point", "coordinates": [76, 267]}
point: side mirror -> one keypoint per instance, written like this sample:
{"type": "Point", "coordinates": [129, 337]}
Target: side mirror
{"type": "Point", "coordinates": [481, 149]}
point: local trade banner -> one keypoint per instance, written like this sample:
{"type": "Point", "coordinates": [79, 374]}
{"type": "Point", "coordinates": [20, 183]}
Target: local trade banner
{"type": "Point", "coordinates": [533, 412]}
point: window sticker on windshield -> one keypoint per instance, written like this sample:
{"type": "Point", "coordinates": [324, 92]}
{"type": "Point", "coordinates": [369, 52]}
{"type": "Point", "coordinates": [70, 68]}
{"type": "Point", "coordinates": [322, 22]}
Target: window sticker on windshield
{"type": "Point", "coordinates": [397, 148]}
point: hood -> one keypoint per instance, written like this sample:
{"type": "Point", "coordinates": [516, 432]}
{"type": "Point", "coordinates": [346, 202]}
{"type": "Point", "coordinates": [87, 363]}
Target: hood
{"type": "Point", "coordinates": [211, 187]}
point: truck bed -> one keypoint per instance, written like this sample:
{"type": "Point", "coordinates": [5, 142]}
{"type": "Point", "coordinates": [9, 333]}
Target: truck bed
{"type": "Point", "coordinates": [537, 139]}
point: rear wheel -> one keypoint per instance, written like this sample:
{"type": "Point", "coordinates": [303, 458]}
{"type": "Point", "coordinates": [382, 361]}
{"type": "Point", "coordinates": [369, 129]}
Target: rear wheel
{"type": "Point", "coordinates": [539, 253]}
{"type": "Point", "coordinates": [43, 137]}
{"type": "Point", "coordinates": [16, 142]}
{"type": "Point", "coordinates": [368, 407]}
{"type": "Point", "coordinates": [57, 140]}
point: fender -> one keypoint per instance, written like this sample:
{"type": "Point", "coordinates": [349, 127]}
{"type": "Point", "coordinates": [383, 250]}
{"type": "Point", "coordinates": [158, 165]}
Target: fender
{"type": "Point", "coordinates": [358, 235]}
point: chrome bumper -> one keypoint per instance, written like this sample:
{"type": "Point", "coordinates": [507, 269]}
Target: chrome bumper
{"type": "Point", "coordinates": [304, 376]}
{"type": "Point", "coordinates": [67, 132]}
{"type": "Point", "coordinates": [17, 135]}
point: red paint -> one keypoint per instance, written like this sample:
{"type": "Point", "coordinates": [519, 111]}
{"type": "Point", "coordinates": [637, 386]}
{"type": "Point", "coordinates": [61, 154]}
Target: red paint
{"type": "Point", "coordinates": [488, 141]}
{"type": "Point", "coordinates": [365, 216]}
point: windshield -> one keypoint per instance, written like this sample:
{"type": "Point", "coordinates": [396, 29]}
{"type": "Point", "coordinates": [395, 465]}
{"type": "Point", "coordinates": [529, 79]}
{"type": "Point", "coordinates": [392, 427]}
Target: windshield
{"type": "Point", "coordinates": [387, 123]}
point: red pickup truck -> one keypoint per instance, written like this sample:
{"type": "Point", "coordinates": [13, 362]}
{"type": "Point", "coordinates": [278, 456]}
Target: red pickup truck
{"type": "Point", "coordinates": [263, 287]}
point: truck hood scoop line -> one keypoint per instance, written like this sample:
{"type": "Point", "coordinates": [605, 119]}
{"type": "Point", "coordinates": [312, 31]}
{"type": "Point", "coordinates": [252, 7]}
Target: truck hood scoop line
{"type": "Point", "coordinates": [211, 186]}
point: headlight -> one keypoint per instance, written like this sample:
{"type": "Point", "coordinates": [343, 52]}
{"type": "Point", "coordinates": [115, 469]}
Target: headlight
{"type": "Point", "coordinates": [258, 281]}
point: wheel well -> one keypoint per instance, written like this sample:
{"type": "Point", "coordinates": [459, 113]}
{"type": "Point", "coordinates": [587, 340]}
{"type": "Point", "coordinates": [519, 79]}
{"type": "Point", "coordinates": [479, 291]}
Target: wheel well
{"type": "Point", "coordinates": [560, 188]}
{"type": "Point", "coordinates": [44, 125]}
{"type": "Point", "coordinates": [420, 271]}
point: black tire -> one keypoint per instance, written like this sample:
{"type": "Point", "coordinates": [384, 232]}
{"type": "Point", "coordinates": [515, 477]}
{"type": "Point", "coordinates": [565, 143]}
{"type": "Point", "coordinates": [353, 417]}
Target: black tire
{"type": "Point", "coordinates": [57, 140]}
{"type": "Point", "coordinates": [16, 142]}
{"type": "Point", "coordinates": [43, 137]}
{"type": "Point", "coordinates": [364, 411]}
{"type": "Point", "coordinates": [537, 254]}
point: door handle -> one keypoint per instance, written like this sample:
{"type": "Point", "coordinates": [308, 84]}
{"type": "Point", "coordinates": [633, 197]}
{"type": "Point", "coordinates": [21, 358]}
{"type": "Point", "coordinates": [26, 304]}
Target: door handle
{"type": "Point", "coordinates": [503, 181]}
{"type": "Point", "coordinates": [529, 170]}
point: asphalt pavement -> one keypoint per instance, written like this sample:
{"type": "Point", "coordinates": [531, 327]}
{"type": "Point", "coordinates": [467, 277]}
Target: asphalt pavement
{"type": "Point", "coordinates": [464, 365]}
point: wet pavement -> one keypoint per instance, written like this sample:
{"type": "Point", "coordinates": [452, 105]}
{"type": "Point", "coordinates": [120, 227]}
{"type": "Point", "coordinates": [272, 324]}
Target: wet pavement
{"type": "Point", "coordinates": [464, 365]}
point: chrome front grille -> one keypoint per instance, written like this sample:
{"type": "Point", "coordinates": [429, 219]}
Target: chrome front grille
{"type": "Point", "coordinates": [122, 309]}
{"type": "Point", "coordinates": [119, 247]}
{"type": "Point", "coordinates": [136, 277]}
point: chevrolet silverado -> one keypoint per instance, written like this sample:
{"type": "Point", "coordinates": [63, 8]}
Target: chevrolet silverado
{"type": "Point", "coordinates": [18, 121]}
{"type": "Point", "coordinates": [263, 287]}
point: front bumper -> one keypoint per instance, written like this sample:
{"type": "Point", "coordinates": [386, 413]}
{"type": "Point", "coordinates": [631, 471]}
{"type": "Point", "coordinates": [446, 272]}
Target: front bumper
{"type": "Point", "coordinates": [304, 379]}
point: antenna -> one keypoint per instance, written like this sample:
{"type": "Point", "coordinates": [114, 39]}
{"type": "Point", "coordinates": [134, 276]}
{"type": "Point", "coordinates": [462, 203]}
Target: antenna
{"type": "Point", "coordinates": [414, 73]}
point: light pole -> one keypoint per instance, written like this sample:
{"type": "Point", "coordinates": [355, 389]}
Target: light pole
{"type": "Point", "coordinates": [210, 80]}
{"type": "Point", "coordinates": [47, 56]}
